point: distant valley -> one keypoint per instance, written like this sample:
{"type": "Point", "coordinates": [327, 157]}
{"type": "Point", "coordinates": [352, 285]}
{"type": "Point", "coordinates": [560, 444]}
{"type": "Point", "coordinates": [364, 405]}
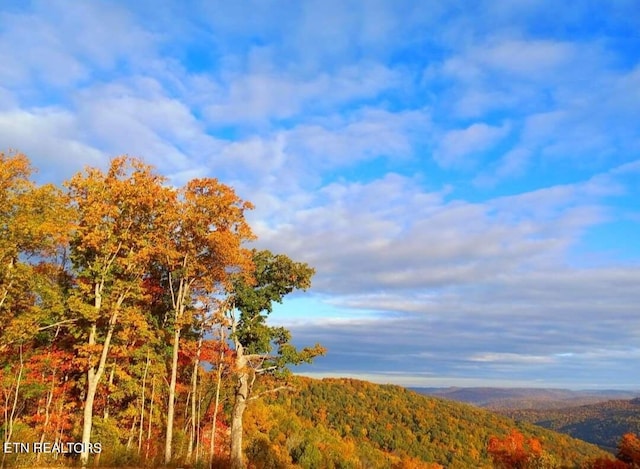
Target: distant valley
{"type": "Point", "coordinates": [598, 417]}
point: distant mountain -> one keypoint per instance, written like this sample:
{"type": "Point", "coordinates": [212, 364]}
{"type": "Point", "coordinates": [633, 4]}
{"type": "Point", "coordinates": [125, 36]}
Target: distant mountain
{"type": "Point", "coordinates": [357, 424]}
{"type": "Point", "coordinates": [602, 424]}
{"type": "Point", "coordinates": [525, 398]}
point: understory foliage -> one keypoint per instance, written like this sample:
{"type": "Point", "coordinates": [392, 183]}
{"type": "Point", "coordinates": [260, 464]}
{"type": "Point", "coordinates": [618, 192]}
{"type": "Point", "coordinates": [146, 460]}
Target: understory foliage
{"type": "Point", "coordinates": [122, 317]}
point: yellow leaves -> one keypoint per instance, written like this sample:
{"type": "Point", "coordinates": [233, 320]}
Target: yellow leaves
{"type": "Point", "coordinates": [15, 171]}
{"type": "Point", "coordinates": [80, 307]}
{"type": "Point", "coordinates": [33, 220]}
{"type": "Point", "coordinates": [118, 217]}
{"type": "Point", "coordinates": [87, 355]}
{"type": "Point", "coordinates": [205, 235]}
{"type": "Point", "coordinates": [20, 328]}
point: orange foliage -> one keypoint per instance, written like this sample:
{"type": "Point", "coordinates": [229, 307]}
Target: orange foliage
{"type": "Point", "coordinates": [629, 449]}
{"type": "Point", "coordinates": [512, 452]}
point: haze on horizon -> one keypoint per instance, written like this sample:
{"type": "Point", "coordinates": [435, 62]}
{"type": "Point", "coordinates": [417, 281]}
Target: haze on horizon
{"type": "Point", "coordinates": [465, 178]}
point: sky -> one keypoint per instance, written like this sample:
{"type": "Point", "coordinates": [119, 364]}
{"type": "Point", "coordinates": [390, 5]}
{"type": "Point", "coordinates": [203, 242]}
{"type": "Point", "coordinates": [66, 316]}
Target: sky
{"type": "Point", "coordinates": [463, 176]}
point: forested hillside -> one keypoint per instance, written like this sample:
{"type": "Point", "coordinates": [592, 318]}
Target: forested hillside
{"type": "Point", "coordinates": [350, 423]}
{"type": "Point", "coordinates": [602, 424]}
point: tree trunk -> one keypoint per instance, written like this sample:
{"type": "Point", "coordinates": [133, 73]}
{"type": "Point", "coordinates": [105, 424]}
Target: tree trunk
{"type": "Point", "coordinates": [93, 378]}
{"type": "Point", "coordinates": [9, 423]}
{"type": "Point", "coordinates": [153, 391]}
{"type": "Point", "coordinates": [105, 415]}
{"type": "Point", "coordinates": [142, 398]}
{"type": "Point", "coordinates": [59, 431]}
{"type": "Point", "coordinates": [132, 433]}
{"type": "Point", "coordinates": [198, 427]}
{"type": "Point", "coordinates": [212, 444]}
{"type": "Point", "coordinates": [178, 302]}
{"type": "Point", "coordinates": [194, 389]}
{"type": "Point", "coordinates": [47, 412]}
{"type": "Point", "coordinates": [239, 406]}
{"type": "Point", "coordinates": [172, 397]}
{"type": "Point", "coordinates": [92, 386]}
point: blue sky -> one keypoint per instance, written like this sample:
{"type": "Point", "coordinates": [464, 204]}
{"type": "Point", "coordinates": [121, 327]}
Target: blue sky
{"type": "Point", "coordinates": [464, 176]}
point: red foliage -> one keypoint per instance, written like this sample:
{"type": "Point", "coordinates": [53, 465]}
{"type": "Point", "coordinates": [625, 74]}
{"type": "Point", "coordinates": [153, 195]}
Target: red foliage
{"type": "Point", "coordinates": [606, 463]}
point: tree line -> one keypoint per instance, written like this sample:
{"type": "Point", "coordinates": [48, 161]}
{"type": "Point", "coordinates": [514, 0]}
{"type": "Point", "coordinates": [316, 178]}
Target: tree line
{"type": "Point", "coordinates": [134, 315]}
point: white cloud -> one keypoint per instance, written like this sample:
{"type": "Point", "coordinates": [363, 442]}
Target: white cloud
{"type": "Point", "coordinates": [57, 46]}
{"type": "Point", "coordinates": [262, 95]}
{"type": "Point", "coordinates": [564, 101]}
{"type": "Point", "coordinates": [282, 172]}
{"type": "Point", "coordinates": [425, 379]}
{"type": "Point", "coordinates": [529, 60]}
{"type": "Point", "coordinates": [391, 235]}
{"type": "Point", "coordinates": [138, 118]}
{"type": "Point", "coordinates": [49, 136]}
{"type": "Point", "coordinates": [511, 358]}
{"type": "Point", "coordinates": [512, 164]}
{"type": "Point", "coordinates": [463, 147]}
{"type": "Point", "coordinates": [366, 134]}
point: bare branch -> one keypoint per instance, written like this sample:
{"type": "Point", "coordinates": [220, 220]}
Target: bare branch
{"type": "Point", "coordinates": [259, 356]}
{"type": "Point", "coordinates": [271, 391]}
{"type": "Point", "coordinates": [66, 321]}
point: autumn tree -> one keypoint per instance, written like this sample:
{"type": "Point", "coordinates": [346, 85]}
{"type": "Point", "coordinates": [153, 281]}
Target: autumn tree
{"type": "Point", "coordinates": [116, 232]}
{"type": "Point", "coordinates": [514, 452]}
{"type": "Point", "coordinates": [260, 348]}
{"type": "Point", "coordinates": [33, 229]}
{"type": "Point", "coordinates": [206, 230]}
{"type": "Point", "coordinates": [629, 450]}
{"type": "Point", "coordinates": [34, 223]}
{"type": "Point", "coordinates": [627, 456]}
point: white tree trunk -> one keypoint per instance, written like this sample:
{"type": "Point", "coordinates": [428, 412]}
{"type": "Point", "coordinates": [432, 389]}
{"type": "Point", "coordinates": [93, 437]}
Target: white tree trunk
{"type": "Point", "coordinates": [168, 445]}
{"type": "Point", "coordinates": [212, 444]}
{"type": "Point", "coordinates": [93, 378]}
{"type": "Point", "coordinates": [194, 389]}
{"type": "Point", "coordinates": [239, 406]}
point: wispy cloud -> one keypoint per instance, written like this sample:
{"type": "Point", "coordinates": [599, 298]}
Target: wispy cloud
{"type": "Point", "coordinates": [462, 147]}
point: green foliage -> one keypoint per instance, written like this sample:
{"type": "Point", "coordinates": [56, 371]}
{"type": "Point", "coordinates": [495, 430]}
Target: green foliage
{"type": "Point", "coordinates": [109, 434]}
{"type": "Point", "coordinates": [262, 456]}
{"type": "Point", "coordinates": [275, 276]}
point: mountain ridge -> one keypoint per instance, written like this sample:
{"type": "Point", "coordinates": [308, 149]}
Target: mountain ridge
{"type": "Point", "coordinates": [521, 398]}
